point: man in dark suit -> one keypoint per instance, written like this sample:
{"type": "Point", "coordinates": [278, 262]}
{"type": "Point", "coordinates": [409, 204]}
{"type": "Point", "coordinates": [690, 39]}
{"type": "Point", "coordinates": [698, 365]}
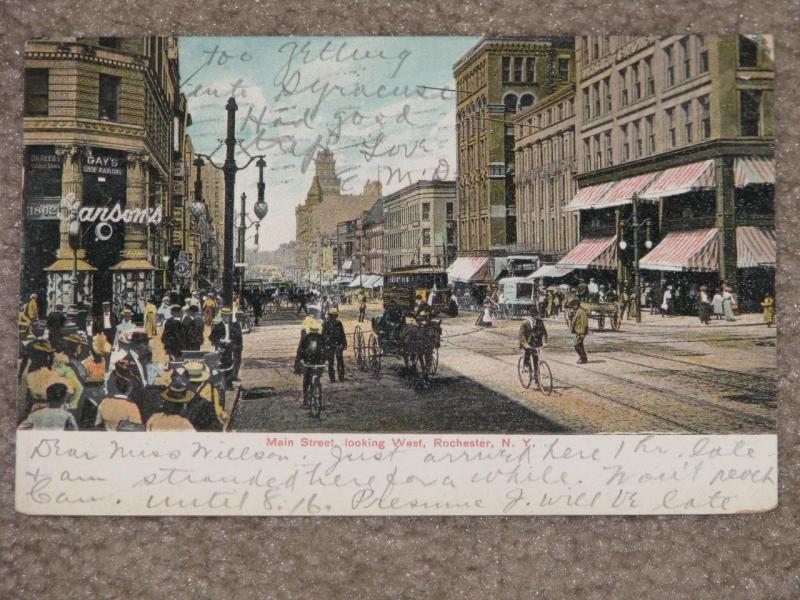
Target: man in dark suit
{"type": "Point", "coordinates": [228, 334]}
{"type": "Point", "coordinates": [174, 336]}
{"type": "Point", "coordinates": [335, 342]}
{"type": "Point", "coordinates": [193, 327]}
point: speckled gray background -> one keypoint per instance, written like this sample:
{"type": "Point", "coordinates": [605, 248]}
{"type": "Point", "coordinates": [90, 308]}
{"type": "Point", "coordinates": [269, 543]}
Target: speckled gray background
{"type": "Point", "coordinates": [668, 557]}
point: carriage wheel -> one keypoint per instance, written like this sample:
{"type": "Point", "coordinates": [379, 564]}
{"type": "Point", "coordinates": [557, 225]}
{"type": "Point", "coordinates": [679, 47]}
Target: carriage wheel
{"type": "Point", "coordinates": [374, 354]}
{"type": "Point", "coordinates": [356, 334]}
{"type": "Point", "coordinates": [616, 321]}
{"type": "Point", "coordinates": [361, 351]}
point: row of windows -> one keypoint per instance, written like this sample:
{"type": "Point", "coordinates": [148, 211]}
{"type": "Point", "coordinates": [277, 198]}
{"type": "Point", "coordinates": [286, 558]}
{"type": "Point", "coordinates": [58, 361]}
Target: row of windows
{"type": "Point", "coordinates": [474, 80]}
{"type": "Point", "coordinates": [548, 151]}
{"type": "Point", "coordinates": [409, 214]}
{"type": "Point", "coordinates": [522, 69]}
{"type": "Point", "coordinates": [554, 114]}
{"type": "Point", "coordinates": [37, 95]}
{"type": "Point", "coordinates": [474, 233]}
{"type": "Point", "coordinates": [472, 157]}
{"type": "Point", "coordinates": [545, 192]}
{"type": "Point", "coordinates": [543, 235]}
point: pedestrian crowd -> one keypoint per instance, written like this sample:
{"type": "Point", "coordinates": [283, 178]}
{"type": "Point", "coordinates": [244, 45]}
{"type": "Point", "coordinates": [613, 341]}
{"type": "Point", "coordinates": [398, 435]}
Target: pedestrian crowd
{"type": "Point", "coordinates": [112, 373]}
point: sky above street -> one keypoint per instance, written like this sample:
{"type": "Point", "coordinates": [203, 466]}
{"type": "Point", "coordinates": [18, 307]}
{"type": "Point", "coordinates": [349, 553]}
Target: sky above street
{"type": "Point", "coordinates": [372, 100]}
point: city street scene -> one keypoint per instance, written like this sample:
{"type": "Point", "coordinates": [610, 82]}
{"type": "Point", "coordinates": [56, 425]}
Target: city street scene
{"type": "Point", "coordinates": [442, 234]}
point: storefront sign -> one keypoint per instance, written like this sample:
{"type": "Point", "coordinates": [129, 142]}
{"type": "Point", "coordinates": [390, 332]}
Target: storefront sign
{"type": "Point", "coordinates": [103, 165]}
{"type": "Point", "coordinates": [41, 209]}
{"type": "Point", "coordinates": [44, 161]}
{"type": "Point", "coordinates": [113, 214]}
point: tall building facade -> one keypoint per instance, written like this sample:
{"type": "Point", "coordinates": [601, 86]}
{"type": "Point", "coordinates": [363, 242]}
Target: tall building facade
{"type": "Point", "coordinates": [98, 126]}
{"type": "Point", "coordinates": [684, 126]}
{"type": "Point", "coordinates": [545, 176]}
{"type": "Point", "coordinates": [419, 225]}
{"type": "Point", "coordinates": [494, 80]}
{"type": "Point", "coordinates": [325, 206]}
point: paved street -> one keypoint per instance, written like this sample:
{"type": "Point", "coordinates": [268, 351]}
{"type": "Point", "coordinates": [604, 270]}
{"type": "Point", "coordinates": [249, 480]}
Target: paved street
{"type": "Point", "coordinates": [667, 375]}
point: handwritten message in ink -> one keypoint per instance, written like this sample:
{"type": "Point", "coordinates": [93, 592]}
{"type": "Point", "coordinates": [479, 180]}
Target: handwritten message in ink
{"type": "Point", "coordinates": [87, 473]}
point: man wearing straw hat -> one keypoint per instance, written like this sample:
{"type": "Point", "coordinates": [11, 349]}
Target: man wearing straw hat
{"type": "Point", "coordinates": [205, 410]}
{"type": "Point", "coordinates": [118, 407]}
{"type": "Point", "coordinates": [175, 399]}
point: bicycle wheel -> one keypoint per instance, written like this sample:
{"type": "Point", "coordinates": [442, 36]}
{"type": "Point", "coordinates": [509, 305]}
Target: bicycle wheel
{"type": "Point", "coordinates": [545, 378]}
{"type": "Point", "coordinates": [524, 372]}
{"type": "Point", "coordinates": [316, 398]}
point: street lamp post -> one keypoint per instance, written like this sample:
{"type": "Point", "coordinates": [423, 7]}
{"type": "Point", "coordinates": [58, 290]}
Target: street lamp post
{"type": "Point", "coordinates": [229, 169]}
{"type": "Point", "coordinates": [635, 224]}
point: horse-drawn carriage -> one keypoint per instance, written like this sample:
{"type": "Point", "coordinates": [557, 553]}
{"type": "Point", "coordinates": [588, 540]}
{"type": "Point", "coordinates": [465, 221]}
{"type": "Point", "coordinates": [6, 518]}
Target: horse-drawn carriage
{"type": "Point", "coordinates": [417, 343]}
{"type": "Point", "coordinates": [600, 311]}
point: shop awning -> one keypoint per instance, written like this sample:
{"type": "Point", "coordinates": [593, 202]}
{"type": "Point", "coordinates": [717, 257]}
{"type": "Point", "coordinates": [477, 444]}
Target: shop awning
{"type": "Point", "coordinates": [371, 281]}
{"type": "Point", "coordinates": [466, 269]}
{"type": "Point", "coordinates": [755, 247]}
{"type": "Point", "coordinates": [591, 253]}
{"type": "Point", "coordinates": [694, 250]}
{"type": "Point", "coordinates": [358, 281]}
{"type": "Point", "coordinates": [347, 265]}
{"type": "Point", "coordinates": [551, 271]}
{"type": "Point", "coordinates": [749, 170]}
{"type": "Point", "coordinates": [378, 282]}
{"type": "Point", "coordinates": [342, 280]}
{"type": "Point", "coordinates": [588, 196]}
{"type": "Point", "coordinates": [623, 190]}
{"type": "Point", "coordinates": [681, 180]}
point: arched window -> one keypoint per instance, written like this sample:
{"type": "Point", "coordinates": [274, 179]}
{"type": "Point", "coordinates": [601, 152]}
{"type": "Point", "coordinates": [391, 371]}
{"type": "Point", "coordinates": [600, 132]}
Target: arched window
{"type": "Point", "coordinates": [526, 100]}
{"type": "Point", "coordinates": [510, 102]}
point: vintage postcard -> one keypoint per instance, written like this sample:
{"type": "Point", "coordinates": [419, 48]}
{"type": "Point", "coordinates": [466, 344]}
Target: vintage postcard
{"type": "Point", "coordinates": [398, 276]}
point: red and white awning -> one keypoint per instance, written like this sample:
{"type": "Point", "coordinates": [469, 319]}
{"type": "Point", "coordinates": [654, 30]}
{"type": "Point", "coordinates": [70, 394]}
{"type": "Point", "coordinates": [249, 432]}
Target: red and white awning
{"type": "Point", "coordinates": [466, 269]}
{"type": "Point", "coordinates": [695, 250]}
{"type": "Point", "coordinates": [755, 247]}
{"type": "Point", "coordinates": [591, 253]}
{"type": "Point", "coordinates": [680, 180]}
{"type": "Point", "coordinates": [749, 170]}
{"type": "Point", "coordinates": [623, 190]}
{"type": "Point", "coordinates": [551, 271]}
{"type": "Point", "coordinates": [588, 197]}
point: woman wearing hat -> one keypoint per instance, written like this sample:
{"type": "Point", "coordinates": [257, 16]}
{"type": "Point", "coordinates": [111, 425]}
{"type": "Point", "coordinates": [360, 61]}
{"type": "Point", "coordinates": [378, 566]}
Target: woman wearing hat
{"type": "Point", "coordinates": [703, 305]}
{"type": "Point", "coordinates": [175, 399]}
{"type": "Point", "coordinates": [125, 325]}
{"type": "Point", "coordinates": [118, 407]}
{"type": "Point", "coordinates": [40, 375]}
{"type": "Point", "coordinates": [150, 311]}
{"type": "Point", "coordinates": [51, 415]}
{"type": "Point", "coordinates": [205, 410]}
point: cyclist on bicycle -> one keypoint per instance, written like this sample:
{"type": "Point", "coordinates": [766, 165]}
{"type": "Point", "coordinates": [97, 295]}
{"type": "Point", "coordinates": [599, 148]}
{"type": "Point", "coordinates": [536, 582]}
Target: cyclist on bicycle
{"type": "Point", "coordinates": [532, 336]}
{"type": "Point", "coordinates": [310, 355]}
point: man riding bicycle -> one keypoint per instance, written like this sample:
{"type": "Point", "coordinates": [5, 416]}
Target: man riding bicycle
{"type": "Point", "coordinates": [310, 355]}
{"type": "Point", "coordinates": [532, 336]}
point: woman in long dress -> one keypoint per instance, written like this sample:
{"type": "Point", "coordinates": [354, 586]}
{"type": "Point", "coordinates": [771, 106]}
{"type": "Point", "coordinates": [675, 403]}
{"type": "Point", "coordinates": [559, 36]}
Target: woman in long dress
{"type": "Point", "coordinates": [666, 302]}
{"type": "Point", "coordinates": [727, 304]}
{"type": "Point", "coordinates": [717, 305]}
{"type": "Point", "coordinates": [150, 310]}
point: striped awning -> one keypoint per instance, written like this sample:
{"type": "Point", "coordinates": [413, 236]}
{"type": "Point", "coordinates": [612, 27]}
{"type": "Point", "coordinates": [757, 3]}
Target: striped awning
{"type": "Point", "coordinates": [549, 271]}
{"type": "Point", "coordinates": [358, 281]}
{"type": "Point", "coordinates": [695, 250]}
{"type": "Point", "coordinates": [469, 268]}
{"type": "Point", "coordinates": [623, 190]}
{"type": "Point", "coordinates": [680, 180]}
{"type": "Point", "coordinates": [591, 253]}
{"type": "Point", "coordinates": [347, 265]}
{"type": "Point", "coordinates": [749, 170]}
{"type": "Point", "coordinates": [755, 247]}
{"type": "Point", "coordinates": [588, 196]}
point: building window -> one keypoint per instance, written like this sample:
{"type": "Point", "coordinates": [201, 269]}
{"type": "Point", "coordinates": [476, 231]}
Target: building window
{"type": "Point", "coordinates": [109, 97]}
{"type": "Point", "coordinates": [596, 98]}
{"type": "Point", "coordinates": [637, 85]}
{"type": "Point", "coordinates": [670, 118]}
{"type": "Point", "coordinates": [595, 46]}
{"type": "Point", "coordinates": [686, 108]}
{"type": "Point", "coordinates": [449, 211]}
{"type": "Point", "coordinates": [750, 112]}
{"type": "Point", "coordinates": [426, 259]}
{"type": "Point", "coordinates": [623, 86]}
{"type": "Point", "coordinates": [587, 112]}
{"type": "Point", "coordinates": [506, 69]}
{"type": "Point", "coordinates": [686, 58]}
{"type": "Point", "coordinates": [587, 155]}
{"type": "Point", "coordinates": [530, 70]}
{"type": "Point", "coordinates": [705, 118]}
{"type": "Point", "coordinates": [702, 54]}
{"type": "Point", "coordinates": [650, 82]}
{"type": "Point", "coordinates": [609, 149]}
{"type": "Point", "coordinates": [426, 211]}
{"type": "Point", "coordinates": [637, 139]}
{"type": "Point", "coordinates": [668, 60]}
{"type": "Point", "coordinates": [748, 52]}
{"type": "Point", "coordinates": [607, 93]}
{"type": "Point", "coordinates": [36, 92]}
{"type": "Point", "coordinates": [585, 49]}
{"type": "Point", "coordinates": [649, 131]}
{"type": "Point", "coordinates": [426, 237]}
{"type": "Point", "coordinates": [526, 100]}
{"type": "Point", "coordinates": [626, 149]}
{"type": "Point", "coordinates": [563, 69]}
{"type": "Point", "coordinates": [518, 60]}
{"type": "Point", "coordinates": [510, 102]}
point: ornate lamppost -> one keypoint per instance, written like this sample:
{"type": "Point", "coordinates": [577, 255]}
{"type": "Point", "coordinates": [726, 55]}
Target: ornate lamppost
{"type": "Point", "coordinates": [635, 225]}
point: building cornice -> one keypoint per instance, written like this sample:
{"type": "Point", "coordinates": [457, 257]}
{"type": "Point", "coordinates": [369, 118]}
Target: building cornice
{"type": "Point", "coordinates": [88, 53]}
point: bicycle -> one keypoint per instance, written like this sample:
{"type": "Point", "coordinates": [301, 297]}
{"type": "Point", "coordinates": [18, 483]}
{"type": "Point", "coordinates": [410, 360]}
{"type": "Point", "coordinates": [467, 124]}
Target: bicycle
{"type": "Point", "coordinates": [315, 401]}
{"type": "Point", "coordinates": [544, 377]}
